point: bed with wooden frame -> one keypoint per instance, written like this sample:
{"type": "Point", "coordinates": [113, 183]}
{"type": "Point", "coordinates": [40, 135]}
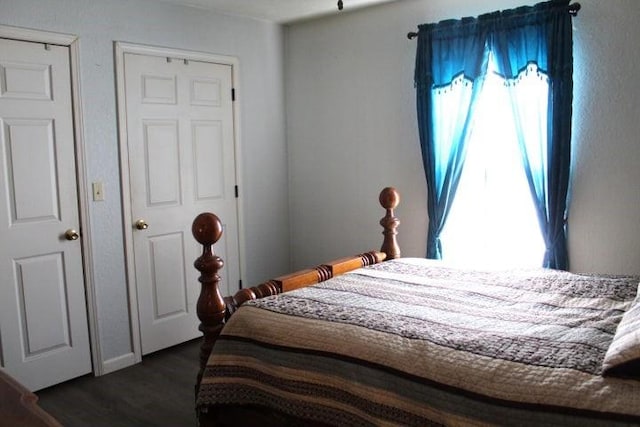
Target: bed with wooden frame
{"type": "Point", "coordinates": [359, 341]}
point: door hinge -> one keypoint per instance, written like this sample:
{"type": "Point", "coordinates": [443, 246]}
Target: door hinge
{"type": "Point", "coordinates": [236, 191]}
{"type": "Point", "coordinates": [240, 284]}
{"type": "Point", "coordinates": [233, 94]}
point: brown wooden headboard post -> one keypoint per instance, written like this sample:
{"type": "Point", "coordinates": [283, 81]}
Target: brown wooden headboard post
{"type": "Point", "coordinates": [210, 308]}
{"type": "Point", "coordinates": [389, 199]}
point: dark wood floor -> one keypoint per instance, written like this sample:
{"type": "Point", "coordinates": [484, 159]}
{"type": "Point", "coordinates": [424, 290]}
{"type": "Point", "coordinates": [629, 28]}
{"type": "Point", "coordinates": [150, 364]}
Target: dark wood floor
{"type": "Point", "coordinates": [157, 392]}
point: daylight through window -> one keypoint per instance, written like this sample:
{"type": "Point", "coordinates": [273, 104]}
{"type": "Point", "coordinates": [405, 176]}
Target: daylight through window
{"type": "Point", "coordinates": [493, 221]}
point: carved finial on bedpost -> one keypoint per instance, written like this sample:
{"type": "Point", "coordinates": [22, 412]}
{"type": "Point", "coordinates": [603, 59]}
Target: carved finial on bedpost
{"type": "Point", "coordinates": [210, 308]}
{"type": "Point", "coordinates": [389, 199]}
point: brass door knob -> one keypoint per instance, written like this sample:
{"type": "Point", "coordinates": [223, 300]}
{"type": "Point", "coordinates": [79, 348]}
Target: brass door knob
{"type": "Point", "coordinates": [141, 224]}
{"type": "Point", "coordinates": [71, 234]}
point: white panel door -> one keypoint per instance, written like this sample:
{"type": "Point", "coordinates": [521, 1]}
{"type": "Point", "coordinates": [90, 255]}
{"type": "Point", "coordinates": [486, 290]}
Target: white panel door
{"type": "Point", "coordinates": [43, 320]}
{"type": "Point", "coordinates": [181, 162]}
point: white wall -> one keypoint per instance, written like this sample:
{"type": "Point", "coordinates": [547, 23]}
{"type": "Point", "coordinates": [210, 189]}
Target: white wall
{"type": "Point", "coordinates": [351, 130]}
{"type": "Point", "coordinates": [257, 44]}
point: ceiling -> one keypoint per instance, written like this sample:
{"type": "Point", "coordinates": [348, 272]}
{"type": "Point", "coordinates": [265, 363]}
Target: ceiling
{"type": "Point", "coordinates": [280, 11]}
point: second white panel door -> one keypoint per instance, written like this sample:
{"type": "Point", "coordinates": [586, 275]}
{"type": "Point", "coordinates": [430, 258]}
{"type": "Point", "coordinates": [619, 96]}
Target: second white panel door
{"type": "Point", "coordinates": [181, 149]}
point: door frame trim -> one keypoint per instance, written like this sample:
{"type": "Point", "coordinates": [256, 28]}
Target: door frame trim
{"type": "Point", "coordinates": [120, 49]}
{"type": "Point", "coordinates": [73, 43]}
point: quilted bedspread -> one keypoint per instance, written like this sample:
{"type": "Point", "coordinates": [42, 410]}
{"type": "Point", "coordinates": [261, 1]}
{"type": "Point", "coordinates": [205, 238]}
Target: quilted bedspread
{"type": "Point", "coordinates": [410, 342]}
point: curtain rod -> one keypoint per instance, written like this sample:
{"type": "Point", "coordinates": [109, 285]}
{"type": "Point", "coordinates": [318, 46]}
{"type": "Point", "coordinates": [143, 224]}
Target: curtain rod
{"type": "Point", "coordinates": [573, 11]}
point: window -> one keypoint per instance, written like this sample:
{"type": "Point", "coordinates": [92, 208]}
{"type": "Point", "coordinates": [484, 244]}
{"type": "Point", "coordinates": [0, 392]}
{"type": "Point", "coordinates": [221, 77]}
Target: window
{"type": "Point", "coordinates": [493, 221]}
{"type": "Point", "coordinates": [452, 63]}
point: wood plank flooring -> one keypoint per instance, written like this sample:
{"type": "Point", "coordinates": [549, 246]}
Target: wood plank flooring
{"type": "Point", "coordinates": [157, 392]}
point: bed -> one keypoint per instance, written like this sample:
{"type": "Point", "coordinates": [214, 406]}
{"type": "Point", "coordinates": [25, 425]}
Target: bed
{"type": "Point", "coordinates": [377, 339]}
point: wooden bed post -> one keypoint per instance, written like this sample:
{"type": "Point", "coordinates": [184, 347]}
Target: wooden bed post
{"type": "Point", "coordinates": [211, 308]}
{"type": "Point", "coordinates": [389, 199]}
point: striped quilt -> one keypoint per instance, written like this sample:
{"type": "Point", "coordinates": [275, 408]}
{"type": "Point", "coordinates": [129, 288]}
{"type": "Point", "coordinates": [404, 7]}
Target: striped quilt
{"type": "Point", "coordinates": [411, 342]}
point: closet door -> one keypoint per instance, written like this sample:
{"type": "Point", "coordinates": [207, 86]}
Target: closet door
{"type": "Point", "coordinates": [181, 150]}
{"type": "Point", "coordinates": [43, 319]}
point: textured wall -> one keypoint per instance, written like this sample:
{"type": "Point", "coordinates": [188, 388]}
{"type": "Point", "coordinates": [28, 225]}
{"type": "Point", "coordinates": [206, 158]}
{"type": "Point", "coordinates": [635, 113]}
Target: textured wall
{"type": "Point", "coordinates": [604, 222]}
{"type": "Point", "coordinates": [257, 44]}
{"type": "Point", "coordinates": [351, 129]}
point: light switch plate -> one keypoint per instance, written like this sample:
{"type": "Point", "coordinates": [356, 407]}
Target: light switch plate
{"type": "Point", "coordinates": [98, 191]}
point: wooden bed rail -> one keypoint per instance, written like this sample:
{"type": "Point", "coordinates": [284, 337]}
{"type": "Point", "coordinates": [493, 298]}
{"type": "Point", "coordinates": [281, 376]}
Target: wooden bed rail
{"type": "Point", "coordinates": [214, 310]}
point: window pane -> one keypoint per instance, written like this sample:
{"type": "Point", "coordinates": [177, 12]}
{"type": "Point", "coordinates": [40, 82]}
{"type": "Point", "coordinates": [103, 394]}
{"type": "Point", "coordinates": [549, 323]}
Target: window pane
{"type": "Point", "coordinates": [493, 222]}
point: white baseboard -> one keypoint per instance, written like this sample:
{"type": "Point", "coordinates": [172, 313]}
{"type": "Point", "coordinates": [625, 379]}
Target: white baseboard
{"type": "Point", "coordinates": [119, 362]}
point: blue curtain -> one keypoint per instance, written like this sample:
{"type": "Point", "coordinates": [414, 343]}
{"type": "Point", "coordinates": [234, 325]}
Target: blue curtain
{"type": "Point", "coordinates": [452, 57]}
{"type": "Point", "coordinates": [540, 38]}
{"type": "Point", "coordinates": [537, 37]}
